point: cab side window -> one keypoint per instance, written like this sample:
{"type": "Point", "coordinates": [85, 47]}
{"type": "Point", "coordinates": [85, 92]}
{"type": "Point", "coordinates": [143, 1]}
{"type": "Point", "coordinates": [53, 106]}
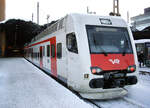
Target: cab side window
{"type": "Point", "coordinates": [71, 43]}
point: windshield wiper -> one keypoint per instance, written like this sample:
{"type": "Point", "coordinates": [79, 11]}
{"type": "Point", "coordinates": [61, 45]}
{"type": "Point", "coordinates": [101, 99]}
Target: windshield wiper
{"type": "Point", "coordinates": [103, 51]}
{"type": "Point", "coordinates": [125, 48]}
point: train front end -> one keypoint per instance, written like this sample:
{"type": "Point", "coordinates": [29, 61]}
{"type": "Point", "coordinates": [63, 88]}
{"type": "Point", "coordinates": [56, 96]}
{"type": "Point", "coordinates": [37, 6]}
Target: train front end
{"type": "Point", "coordinates": [113, 60]}
{"type": "Point", "coordinates": [111, 56]}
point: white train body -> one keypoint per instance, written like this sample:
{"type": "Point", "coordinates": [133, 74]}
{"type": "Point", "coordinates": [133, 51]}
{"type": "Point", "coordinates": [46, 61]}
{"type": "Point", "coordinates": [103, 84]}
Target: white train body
{"type": "Point", "coordinates": [75, 50]}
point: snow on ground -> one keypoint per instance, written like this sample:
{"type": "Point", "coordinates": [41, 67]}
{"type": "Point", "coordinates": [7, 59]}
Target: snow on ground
{"type": "Point", "coordinates": [140, 93]}
{"type": "Point", "coordinates": [22, 85]}
{"type": "Point", "coordinates": [115, 103]}
{"type": "Point", "coordinates": [145, 69]}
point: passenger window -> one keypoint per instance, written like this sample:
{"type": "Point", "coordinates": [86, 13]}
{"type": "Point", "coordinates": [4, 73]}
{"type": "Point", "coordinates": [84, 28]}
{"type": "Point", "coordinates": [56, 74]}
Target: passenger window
{"type": "Point", "coordinates": [59, 50]}
{"type": "Point", "coordinates": [43, 50]}
{"type": "Point", "coordinates": [40, 54]}
{"type": "Point", "coordinates": [48, 51]}
{"type": "Point", "coordinates": [52, 51]}
{"type": "Point", "coordinates": [72, 43]}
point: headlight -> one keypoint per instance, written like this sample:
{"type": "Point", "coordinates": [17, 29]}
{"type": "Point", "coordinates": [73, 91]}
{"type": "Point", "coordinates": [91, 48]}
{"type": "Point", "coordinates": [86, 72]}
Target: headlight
{"type": "Point", "coordinates": [96, 70]}
{"type": "Point", "coordinates": [131, 69]}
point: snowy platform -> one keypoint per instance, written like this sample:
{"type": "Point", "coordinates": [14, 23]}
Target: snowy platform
{"type": "Point", "coordinates": [144, 69]}
{"type": "Point", "coordinates": [22, 85]}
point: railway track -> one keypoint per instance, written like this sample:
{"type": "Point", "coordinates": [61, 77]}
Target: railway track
{"type": "Point", "coordinates": [95, 105]}
{"type": "Point", "coordinates": [144, 75]}
{"type": "Point", "coordinates": [116, 103]}
{"type": "Point", "coordinates": [134, 102]}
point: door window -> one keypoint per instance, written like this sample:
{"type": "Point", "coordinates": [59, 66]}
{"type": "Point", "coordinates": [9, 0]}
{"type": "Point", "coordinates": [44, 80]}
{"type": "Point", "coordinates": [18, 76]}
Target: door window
{"type": "Point", "coordinates": [40, 52]}
{"type": "Point", "coordinates": [52, 50]}
{"type": "Point", "coordinates": [59, 50]}
{"type": "Point", "coordinates": [48, 51]}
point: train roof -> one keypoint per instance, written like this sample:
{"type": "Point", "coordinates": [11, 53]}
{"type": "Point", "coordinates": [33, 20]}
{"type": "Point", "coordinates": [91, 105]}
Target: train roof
{"type": "Point", "coordinates": [142, 41]}
{"type": "Point", "coordinates": [97, 20]}
{"type": "Point", "coordinates": [84, 19]}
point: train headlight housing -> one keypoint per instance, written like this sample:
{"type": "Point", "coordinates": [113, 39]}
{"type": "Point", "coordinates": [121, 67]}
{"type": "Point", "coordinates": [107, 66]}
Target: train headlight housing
{"type": "Point", "coordinates": [96, 70]}
{"type": "Point", "coordinates": [131, 69]}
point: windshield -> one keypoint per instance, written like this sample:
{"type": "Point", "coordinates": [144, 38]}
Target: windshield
{"type": "Point", "coordinates": [108, 40]}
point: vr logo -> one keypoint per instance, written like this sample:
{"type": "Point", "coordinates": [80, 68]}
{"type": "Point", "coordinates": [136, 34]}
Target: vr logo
{"type": "Point", "coordinates": [115, 61]}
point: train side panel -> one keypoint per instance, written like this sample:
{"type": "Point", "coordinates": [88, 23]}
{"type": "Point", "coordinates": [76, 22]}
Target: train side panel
{"type": "Point", "coordinates": [73, 55]}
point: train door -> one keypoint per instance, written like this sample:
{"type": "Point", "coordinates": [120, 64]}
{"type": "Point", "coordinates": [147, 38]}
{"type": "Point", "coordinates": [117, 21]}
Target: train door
{"type": "Point", "coordinates": [61, 60]}
{"type": "Point", "coordinates": [47, 55]}
{"type": "Point", "coordinates": [41, 57]}
{"type": "Point", "coordinates": [44, 56]}
{"type": "Point", "coordinates": [53, 57]}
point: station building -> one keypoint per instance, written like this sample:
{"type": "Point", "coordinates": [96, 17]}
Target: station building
{"type": "Point", "coordinates": [2, 32]}
{"type": "Point", "coordinates": [141, 21]}
{"type": "Point", "coordinates": [2, 43]}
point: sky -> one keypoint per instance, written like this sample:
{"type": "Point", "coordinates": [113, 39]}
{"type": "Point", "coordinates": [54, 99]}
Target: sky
{"type": "Point", "coordinates": [23, 9]}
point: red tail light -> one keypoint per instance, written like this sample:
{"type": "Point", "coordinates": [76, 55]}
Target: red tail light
{"type": "Point", "coordinates": [96, 70]}
{"type": "Point", "coordinates": [131, 68]}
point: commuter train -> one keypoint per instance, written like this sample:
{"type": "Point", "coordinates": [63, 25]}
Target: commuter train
{"type": "Point", "coordinates": [94, 55]}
